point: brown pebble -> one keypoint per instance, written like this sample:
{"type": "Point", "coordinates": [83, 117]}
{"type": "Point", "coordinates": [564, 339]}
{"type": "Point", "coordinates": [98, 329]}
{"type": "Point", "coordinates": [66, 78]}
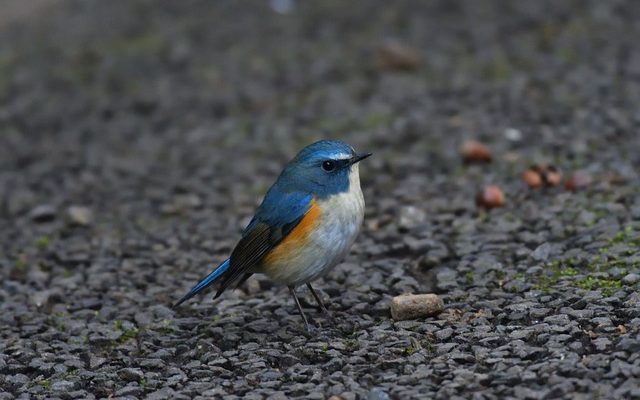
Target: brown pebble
{"type": "Point", "coordinates": [490, 197]}
{"type": "Point", "coordinates": [412, 306]}
{"type": "Point", "coordinates": [473, 151]}
{"type": "Point", "coordinates": [539, 175]}
{"type": "Point", "coordinates": [532, 178]}
{"type": "Point", "coordinates": [393, 56]}
{"type": "Point", "coordinates": [551, 176]}
{"type": "Point", "coordinates": [579, 180]}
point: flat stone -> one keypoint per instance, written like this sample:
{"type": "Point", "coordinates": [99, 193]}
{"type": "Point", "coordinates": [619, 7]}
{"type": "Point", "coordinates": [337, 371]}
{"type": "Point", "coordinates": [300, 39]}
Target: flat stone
{"type": "Point", "coordinates": [43, 213]}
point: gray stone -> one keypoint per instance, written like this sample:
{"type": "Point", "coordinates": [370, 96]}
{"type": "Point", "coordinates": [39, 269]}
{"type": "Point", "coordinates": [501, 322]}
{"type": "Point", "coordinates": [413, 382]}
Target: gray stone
{"type": "Point", "coordinates": [43, 213]}
{"type": "Point", "coordinates": [631, 278]}
{"type": "Point", "coordinates": [541, 253]}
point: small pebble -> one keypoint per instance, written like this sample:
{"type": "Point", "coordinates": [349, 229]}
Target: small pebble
{"type": "Point", "coordinates": [532, 178]}
{"type": "Point", "coordinates": [490, 197]}
{"type": "Point", "coordinates": [79, 215]}
{"type": "Point", "coordinates": [394, 56]}
{"type": "Point", "coordinates": [513, 134]}
{"type": "Point", "coordinates": [412, 306]}
{"type": "Point", "coordinates": [410, 216]}
{"type": "Point", "coordinates": [473, 151]}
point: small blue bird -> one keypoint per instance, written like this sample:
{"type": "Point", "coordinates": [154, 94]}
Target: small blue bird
{"type": "Point", "coordinates": [305, 225]}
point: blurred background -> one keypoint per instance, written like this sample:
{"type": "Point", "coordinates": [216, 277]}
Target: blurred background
{"type": "Point", "coordinates": [185, 92]}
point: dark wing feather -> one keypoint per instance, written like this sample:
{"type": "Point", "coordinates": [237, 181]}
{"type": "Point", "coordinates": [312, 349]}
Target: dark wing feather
{"type": "Point", "coordinates": [278, 214]}
{"type": "Point", "coordinates": [244, 279]}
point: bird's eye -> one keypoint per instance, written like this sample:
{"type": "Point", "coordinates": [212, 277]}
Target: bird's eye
{"type": "Point", "coordinates": [328, 165]}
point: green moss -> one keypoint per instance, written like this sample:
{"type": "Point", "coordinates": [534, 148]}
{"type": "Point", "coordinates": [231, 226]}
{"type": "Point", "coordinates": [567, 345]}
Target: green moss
{"type": "Point", "coordinates": [605, 261]}
{"type": "Point", "coordinates": [607, 258]}
{"type": "Point", "coordinates": [558, 270]}
{"type": "Point", "coordinates": [413, 347]}
{"type": "Point", "coordinates": [56, 320]}
{"type": "Point", "coordinates": [166, 327]}
{"type": "Point", "coordinates": [351, 344]}
{"type": "Point", "coordinates": [468, 277]}
{"type": "Point", "coordinates": [127, 333]}
{"type": "Point", "coordinates": [625, 236]}
{"type": "Point", "coordinates": [606, 285]}
{"type": "Point", "coordinates": [42, 242]}
{"type": "Point", "coordinates": [21, 264]}
{"type": "Point", "coordinates": [619, 237]}
{"type": "Point", "coordinates": [45, 383]}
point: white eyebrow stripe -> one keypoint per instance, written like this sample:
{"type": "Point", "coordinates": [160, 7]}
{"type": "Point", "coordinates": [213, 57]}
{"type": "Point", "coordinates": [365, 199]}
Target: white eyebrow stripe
{"type": "Point", "coordinates": [341, 156]}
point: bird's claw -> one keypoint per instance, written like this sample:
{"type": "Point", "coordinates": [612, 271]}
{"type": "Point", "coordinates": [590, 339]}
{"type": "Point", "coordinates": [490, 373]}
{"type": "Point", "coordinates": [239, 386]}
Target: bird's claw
{"type": "Point", "coordinates": [310, 331]}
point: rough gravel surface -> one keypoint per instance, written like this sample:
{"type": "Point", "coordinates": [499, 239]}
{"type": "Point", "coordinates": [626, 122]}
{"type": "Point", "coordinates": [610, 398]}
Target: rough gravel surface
{"type": "Point", "coordinates": [137, 137]}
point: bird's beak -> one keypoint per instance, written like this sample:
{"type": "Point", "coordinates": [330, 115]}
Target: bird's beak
{"type": "Point", "coordinates": [359, 157]}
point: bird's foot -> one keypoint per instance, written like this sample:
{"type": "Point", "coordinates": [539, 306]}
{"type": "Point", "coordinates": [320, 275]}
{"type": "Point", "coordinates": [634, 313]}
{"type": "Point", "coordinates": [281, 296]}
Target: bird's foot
{"type": "Point", "coordinates": [310, 330]}
{"type": "Point", "coordinates": [328, 316]}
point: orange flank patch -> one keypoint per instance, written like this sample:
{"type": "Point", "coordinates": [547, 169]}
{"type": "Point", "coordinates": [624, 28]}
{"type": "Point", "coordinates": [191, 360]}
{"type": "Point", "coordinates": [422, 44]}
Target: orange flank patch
{"type": "Point", "coordinates": [296, 238]}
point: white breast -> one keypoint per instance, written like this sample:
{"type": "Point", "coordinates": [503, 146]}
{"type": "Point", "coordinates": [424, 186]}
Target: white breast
{"type": "Point", "coordinates": [340, 221]}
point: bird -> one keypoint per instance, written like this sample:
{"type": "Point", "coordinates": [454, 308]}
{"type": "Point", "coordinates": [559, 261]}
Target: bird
{"type": "Point", "coordinates": [304, 226]}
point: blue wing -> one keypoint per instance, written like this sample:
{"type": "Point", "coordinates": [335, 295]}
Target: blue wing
{"type": "Point", "coordinates": [280, 208]}
{"type": "Point", "coordinates": [278, 214]}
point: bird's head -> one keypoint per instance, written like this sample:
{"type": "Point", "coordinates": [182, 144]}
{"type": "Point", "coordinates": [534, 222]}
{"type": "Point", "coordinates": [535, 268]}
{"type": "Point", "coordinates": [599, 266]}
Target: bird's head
{"type": "Point", "coordinates": [323, 168]}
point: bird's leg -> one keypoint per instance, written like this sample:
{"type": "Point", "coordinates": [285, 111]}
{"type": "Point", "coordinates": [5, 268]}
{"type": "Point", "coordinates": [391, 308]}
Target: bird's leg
{"type": "Point", "coordinates": [304, 317]}
{"type": "Point", "coordinates": [320, 303]}
{"type": "Point", "coordinates": [324, 310]}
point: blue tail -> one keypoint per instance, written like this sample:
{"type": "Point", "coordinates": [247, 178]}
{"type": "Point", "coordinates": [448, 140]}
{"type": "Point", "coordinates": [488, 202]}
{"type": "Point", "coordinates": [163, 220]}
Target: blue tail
{"type": "Point", "coordinates": [204, 282]}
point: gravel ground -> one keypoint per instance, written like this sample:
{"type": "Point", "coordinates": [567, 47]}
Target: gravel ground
{"type": "Point", "coordinates": [136, 138]}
